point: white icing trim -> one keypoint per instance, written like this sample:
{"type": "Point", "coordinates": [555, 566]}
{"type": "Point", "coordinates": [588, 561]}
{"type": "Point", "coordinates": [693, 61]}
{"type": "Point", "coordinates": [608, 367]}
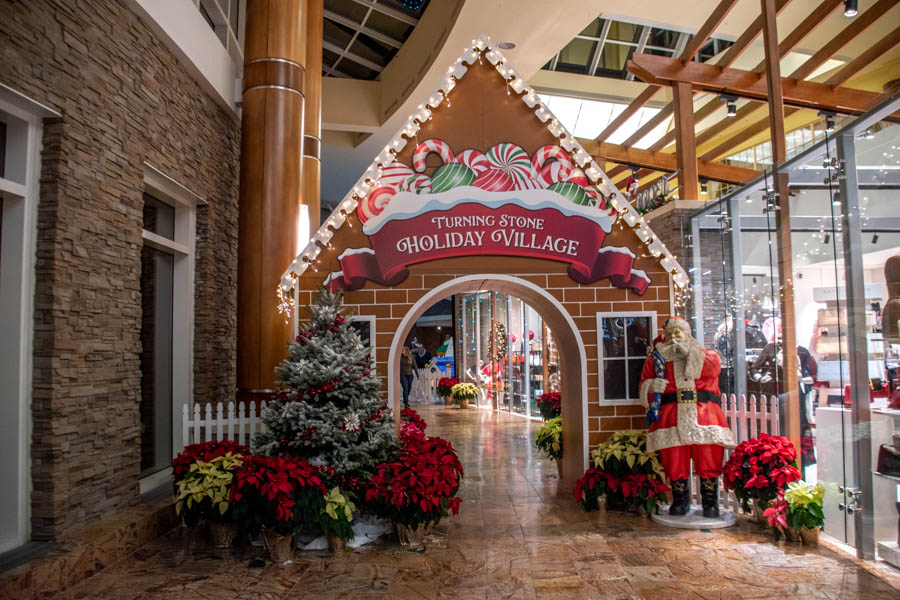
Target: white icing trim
{"type": "Point", "coordinates": [352, 251]}
{"type": "Point", "coordinates": [407, 205]}
{"type": "Point", "coordinates": [617, 250]}
{"type": "Point", "coordinates": [689, 432]}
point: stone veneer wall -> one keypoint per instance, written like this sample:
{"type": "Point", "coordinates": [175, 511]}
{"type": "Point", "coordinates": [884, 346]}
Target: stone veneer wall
{"type": "Point", "coordinates": [125, 100]}
{"type": "Point", "coordinates": [582, 302]}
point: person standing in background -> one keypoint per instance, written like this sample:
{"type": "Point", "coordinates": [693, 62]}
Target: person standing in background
{"type": "Point", "coordinates": [407, 370]}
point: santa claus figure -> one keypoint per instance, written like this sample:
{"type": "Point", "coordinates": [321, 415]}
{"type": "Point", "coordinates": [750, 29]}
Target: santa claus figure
{"type": "Point", "coordinates": [680, 387]}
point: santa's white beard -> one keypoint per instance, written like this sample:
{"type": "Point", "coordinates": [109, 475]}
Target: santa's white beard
{"type": "Point", "coordinates": [685, 349]}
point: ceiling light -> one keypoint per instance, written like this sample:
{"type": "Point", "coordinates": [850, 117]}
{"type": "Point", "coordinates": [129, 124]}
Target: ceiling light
{"type": "Point", "coordinates": [730, 101]}
{"type": "Point", "coordinates": [875, 238]}
{"type": "Point", "coordinates": [827, 238]}
{"type": "Point", "coordinates": [869, 134]}
{"type": "Point", "coordinates": [851, 8]}
{"type": "Point", "coordinates": [704, 186]}
{"type": "Point", "coordinates": [828, 115]}
{"type": "Point", "coordinates": [506, 45]}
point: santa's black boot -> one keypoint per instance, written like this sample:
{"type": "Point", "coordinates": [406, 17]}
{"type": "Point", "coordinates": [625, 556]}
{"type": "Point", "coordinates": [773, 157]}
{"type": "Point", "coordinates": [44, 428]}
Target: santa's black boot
{"type": "Point", "coordinates": [681, 498]}
{"type": "Point", "coordinates": [709, 494]}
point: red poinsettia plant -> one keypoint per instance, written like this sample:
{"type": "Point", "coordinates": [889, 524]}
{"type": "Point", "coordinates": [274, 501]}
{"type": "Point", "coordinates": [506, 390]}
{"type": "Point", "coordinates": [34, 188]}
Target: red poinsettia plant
{"type": "Point", "coordinates": [411, 420]}
{"type": "Point", "coordinates": [760, 469]}
{"type": "Point", "coordinates": [445, 385]}
{"type": "Point", "coordinates": [204, 452]}
{"type": "Point", "coordinates": [550, 405]}
{"type": "Point", "coordinates": [419, 487]}
{"type": "Point", "coordinates": [777, 514]}
{"type": "Point", "coordinates": [276, 492]}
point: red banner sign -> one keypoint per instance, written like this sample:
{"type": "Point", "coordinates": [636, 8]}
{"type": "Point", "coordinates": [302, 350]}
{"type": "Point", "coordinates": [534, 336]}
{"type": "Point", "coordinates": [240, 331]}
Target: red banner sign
{"type": "Point", "coordinates": [470, 222]}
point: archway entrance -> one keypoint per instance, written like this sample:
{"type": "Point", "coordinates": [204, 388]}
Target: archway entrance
{"type": "Point", "coordinates": [572, 355]}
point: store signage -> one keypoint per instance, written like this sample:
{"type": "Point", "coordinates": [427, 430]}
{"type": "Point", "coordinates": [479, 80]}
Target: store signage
{"type": "Point", "coordinates": [470, 221]}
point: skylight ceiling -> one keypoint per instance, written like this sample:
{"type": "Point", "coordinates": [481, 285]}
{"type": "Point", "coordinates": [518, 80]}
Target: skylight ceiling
{"type": "Point", "coordinates": [360, 37]}
{"type": "Point", "coordinates": [587, 118]}
{"type": "Point", "coordinates": [603, 48]}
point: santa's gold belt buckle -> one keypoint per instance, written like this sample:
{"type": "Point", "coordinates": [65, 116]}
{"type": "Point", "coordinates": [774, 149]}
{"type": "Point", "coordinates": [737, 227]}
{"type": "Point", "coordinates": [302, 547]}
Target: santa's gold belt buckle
{"type": "Point", "coordinates": [687, 396]}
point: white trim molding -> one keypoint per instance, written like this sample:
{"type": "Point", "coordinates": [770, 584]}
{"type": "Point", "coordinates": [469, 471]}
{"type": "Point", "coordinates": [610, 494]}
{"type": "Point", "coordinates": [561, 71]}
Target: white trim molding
{"type": "Point", "coordinates": [600, 358]}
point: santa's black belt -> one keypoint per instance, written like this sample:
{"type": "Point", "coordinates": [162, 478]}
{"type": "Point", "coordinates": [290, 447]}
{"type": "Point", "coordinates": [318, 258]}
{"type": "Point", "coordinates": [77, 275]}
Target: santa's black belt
{"type": "Point", "coordinates": [689, 397]}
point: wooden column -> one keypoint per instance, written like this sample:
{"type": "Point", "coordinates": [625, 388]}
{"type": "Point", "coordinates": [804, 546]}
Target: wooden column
{"type": "Point", "coordinates": [685, 142]}
{"type": "Point", "coordinates": [270, 185]}
{"type": "Point", "coordinates": [312, 138]}
{"type": "Point", "coordinates": [789, 387]}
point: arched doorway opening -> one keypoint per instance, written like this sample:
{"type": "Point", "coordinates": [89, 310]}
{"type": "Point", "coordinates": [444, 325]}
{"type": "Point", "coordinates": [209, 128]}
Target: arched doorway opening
{"type": "Point", "coordinates": [572, 355]}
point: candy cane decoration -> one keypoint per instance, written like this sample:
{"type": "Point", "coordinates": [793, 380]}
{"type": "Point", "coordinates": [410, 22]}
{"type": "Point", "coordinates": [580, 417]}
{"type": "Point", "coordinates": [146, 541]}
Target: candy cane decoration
{"type": "Point", "coordinates": [549, 152]}
{"type": "Point", "coordinates": [474, 159]}
{"type": "Point", "coordinates": [439, 147]}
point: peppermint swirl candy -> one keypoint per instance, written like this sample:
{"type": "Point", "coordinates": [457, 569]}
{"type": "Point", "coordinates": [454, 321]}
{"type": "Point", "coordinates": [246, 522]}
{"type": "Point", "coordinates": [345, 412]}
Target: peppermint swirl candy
{"type": "Point", "coordinates": [374, 204]}
{"type": "Point", "coordinates": [515, 162]}
{"type": "Point", "coordinates": [439, 147]}
{"type": "Point", "coordinates": [394, 175]}
{"type": "Point", "coordinates": [494, 180]}
{"type": "Point", "coordinates": [417, 184]}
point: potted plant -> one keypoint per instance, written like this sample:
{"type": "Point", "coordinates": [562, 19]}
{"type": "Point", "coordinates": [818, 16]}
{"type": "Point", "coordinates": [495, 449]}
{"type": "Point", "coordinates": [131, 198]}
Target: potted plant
{"type": "Point", "coordinates": [592, 490]}
{"type": "Point", "coordinates": [635, 479]}
{"type": "Point", "coordinates": [462, 393]}
{"type": "Point", "coordinates": [335, 518]}
{"type": "Point", "coordinates": [445, 388]}
{"type": "Point", "coordinates": [411, 420]}
{"type": "Point", "coordinates": [776, 515]}
{"type": "Point", "coordinates": [804, 509]}
{"type": "Point", "coordinates": [759, 469]}
{"type": "Point", "coordinates": [549, 441]}
{"type": "Point", "coordinates": [550, 405]}
{"type": "Point", "coordinates": [418, 489]}
{"type": "Point", "coordinates": [205, 451]}
{"type": "Point", "coordinates": [203, 494]}
{"type": "Point", "coordinates": [273, 496]}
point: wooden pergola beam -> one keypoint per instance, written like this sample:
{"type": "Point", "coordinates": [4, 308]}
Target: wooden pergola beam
{"type": "Point", "coordinates": [712, 23]}
{"type": "Point", "coordinates": [743, 42]}
{"type": "Point", "coordinates": [666, 162]}
{"type": "Point", "coordinates": [849, 33]}
{"type": "Point", "coordinates": [873, 52]}
{"type": "Point", "coordinates": [662, 70]}
{"type": "Point", "coordinates": [744, 135]}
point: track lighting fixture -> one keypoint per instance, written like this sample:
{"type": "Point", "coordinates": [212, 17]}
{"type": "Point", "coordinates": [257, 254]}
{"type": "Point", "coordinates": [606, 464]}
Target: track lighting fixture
{"type": "Point", "coordinates": [851, 8]}
{"type": "Point", "coordinates": [875, 238]}
{"type": "Point", "coordinates": [828, 115]}
{"type": "Point", "coordinates": [730, 101]}
{"type": "Point", "coordinates": [704, 186]}
{"type": "Point", "coordinates": [826, 239]}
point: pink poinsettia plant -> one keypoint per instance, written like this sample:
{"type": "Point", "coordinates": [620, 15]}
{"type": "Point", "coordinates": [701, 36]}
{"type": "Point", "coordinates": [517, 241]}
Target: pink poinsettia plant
{"type": "Point", "coordinates": [777, 514]}
{"type": "Point", "coordinates": [760, 469]}
{"type": "Point", "coordinates": [411, 421]}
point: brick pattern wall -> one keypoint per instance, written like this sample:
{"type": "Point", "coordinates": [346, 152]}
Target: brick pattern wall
{"type": "Point", "coordinates": [125, 100]}
{"type": "Point", "coordinates": [581, 302]}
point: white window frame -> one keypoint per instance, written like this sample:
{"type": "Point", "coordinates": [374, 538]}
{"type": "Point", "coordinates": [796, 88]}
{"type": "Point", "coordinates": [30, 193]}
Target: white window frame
{"type": "Point", "coordinates": [600, 358]}
{"type": "Point", "coordinates": [20, 191]}
{"type": "Point", "coordinates": [183, 248]}
{"type": "Point", "coordinates": [370, 319]}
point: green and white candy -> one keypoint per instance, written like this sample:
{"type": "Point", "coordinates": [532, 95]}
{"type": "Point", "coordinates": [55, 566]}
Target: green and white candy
{"type": "Point", "coordinates": [573, 192]}
{"type": "Point", "coordinates": [450, 176]}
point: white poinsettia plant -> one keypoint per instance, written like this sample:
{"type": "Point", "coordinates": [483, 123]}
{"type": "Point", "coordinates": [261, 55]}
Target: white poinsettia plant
{"type": "Point", "coordinates": [464, 391]}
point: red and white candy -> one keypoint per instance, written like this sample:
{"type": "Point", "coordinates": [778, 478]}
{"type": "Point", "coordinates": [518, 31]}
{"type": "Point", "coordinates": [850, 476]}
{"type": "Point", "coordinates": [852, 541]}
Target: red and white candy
{"type": "Point", "coordinates": [439, 147]}
{"type": "Point", "coordinates": [550, 152]}
{"type": "Point", "coordinates": [474, 159]}
{"type": "Point", "coordinates": [578, 177]}
{"type": "Point", "coordinates": [494, 180]}
{"type": "Point", "coordinates": [373, 204]}
{"type": "Point", "coordinates": [394, 175]}
{"type": "Point", "coordinates": [417, 184]}
{"type": "Point", "coordinates": [555, 172]}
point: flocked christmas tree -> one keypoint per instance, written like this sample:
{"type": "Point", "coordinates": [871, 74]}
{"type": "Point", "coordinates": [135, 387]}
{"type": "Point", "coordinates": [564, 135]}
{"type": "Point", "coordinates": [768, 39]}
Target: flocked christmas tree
{"type": "Point", "coordinates": [332, 413]}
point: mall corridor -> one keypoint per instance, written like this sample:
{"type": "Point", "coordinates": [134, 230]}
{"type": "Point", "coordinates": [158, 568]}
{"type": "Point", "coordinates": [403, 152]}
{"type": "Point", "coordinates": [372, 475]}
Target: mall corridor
{"type": "Point", "coordinates": [516, 536]}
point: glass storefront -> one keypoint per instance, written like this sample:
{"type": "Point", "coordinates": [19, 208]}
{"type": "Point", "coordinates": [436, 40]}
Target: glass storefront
{"type": "Point", "coordinates": [845, 280]}
{"type": "Point", "coordinates": [506, 349]}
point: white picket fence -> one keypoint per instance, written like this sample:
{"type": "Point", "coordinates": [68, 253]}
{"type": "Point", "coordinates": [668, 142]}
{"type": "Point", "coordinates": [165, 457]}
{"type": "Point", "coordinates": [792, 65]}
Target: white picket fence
{"type": "Point", "coordinates": [237, 424]}
{"type": "Point", "coordinates": [424, 388]}
{"type": "Point", "coordinates": [747, 418]}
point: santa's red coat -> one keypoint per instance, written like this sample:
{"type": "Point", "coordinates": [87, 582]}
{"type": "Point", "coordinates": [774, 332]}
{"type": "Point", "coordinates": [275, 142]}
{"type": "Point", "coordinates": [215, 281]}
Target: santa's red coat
{"type": "Point", "coordinates": [688, 424]}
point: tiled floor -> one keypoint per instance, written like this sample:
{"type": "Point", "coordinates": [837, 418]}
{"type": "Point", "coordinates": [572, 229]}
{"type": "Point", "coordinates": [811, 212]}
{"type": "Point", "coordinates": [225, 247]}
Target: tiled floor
{"type": "Point", "coordinates": [517, 536]}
